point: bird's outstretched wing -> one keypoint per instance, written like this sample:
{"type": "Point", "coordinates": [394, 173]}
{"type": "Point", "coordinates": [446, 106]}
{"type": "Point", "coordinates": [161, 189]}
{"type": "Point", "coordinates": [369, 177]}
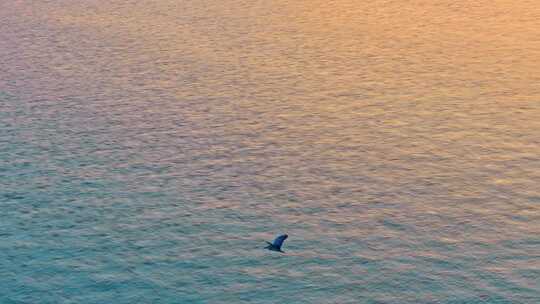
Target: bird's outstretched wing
{"type": "Point", "coordinates": [279, 240]}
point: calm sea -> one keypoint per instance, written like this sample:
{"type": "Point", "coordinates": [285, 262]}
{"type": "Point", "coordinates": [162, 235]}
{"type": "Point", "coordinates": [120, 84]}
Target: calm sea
{"type": "Point", "coordinates": [149, 148]}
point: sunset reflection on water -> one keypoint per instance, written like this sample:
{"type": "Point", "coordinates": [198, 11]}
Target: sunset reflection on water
{"type": "Point", "coordinates": [151, 147]}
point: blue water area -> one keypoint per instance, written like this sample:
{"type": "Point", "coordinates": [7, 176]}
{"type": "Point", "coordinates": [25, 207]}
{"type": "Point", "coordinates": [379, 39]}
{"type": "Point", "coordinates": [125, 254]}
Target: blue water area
{"type": "Point", "coordinates": [149, 149]}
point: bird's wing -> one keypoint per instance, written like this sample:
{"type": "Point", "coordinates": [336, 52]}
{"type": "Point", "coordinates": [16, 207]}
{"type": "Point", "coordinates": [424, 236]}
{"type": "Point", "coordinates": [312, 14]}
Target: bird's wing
{"type": "Point", "coordinates": [279, 240]}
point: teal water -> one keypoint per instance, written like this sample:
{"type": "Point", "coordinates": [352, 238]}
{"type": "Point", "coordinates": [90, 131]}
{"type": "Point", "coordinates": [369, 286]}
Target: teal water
{"type": "Point", "coordinates": [148, 149]}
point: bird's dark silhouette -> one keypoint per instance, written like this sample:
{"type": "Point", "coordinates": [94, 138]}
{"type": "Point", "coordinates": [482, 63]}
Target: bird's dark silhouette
{"type": "Point", "coordinates": [276, 245]}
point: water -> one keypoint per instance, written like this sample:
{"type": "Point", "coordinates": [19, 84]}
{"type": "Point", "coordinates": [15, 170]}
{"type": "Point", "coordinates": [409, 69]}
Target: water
{"type": "Point", "coordinates": [150, 148]}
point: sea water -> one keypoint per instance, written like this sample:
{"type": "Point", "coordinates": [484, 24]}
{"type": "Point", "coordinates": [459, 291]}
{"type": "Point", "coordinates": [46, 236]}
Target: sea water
{"type": "Point", "coordinates": [149, 148]}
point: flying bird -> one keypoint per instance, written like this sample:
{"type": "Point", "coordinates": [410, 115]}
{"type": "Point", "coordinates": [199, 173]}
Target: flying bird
{"type": "Point", "coordinates": [276, 245]}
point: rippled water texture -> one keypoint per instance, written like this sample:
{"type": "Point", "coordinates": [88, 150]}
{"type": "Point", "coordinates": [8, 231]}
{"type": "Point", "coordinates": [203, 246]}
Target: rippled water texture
{"type": "Point", "coordinates": [149, 148]}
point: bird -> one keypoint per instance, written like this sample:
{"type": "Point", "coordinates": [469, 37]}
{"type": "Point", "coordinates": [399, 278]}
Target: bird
{"type": "Point", "coordinates": [276, 245]}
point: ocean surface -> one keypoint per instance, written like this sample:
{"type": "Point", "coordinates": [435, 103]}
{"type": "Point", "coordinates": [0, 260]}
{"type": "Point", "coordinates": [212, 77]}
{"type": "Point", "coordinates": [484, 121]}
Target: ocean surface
{"type": "Point", "coordinates": [149, 148]}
